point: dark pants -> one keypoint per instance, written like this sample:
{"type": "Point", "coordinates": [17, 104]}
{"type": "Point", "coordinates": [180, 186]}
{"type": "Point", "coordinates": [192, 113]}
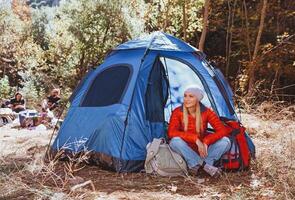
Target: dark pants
{"type": "Point", "coordinates": [17, 110]}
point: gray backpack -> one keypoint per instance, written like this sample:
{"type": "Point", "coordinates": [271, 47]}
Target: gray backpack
{"type": "Point", "coordinates": [163, 161]}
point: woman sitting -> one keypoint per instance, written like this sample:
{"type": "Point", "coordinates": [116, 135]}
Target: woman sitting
{"type": "Point", "coordinates": [17, 104]}
{"type": "Point", "coordinates": [52, 101]}
{"type": "Point", "coordinates": [188, 136]}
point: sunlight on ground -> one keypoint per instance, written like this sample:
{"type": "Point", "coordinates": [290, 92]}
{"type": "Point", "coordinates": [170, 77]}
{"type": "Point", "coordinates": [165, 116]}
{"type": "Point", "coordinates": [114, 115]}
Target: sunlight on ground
{"type": "Point", "coordinates": [22, 165]}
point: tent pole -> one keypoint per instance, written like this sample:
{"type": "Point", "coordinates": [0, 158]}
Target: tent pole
{"type": "Point", "coordinates": [54, 129]}
{"type": "Point", "coordinates": [167, 75]}
{"type": "Point", "coordinates": [129, 108]}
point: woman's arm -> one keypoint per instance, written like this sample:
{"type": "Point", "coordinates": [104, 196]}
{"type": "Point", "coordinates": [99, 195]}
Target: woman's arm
{"type": "Point", "coordinates": [174, 128]}
{"type": "Point", "coordinates": [10, 104]}
{"type": "Point", "coordinates": [219, 128]}
{"type": "Point", "coordinates": [24, 103]}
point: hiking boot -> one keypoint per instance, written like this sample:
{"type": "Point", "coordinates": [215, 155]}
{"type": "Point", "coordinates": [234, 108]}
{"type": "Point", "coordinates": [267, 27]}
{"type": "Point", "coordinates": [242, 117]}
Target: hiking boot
{"type": "Point", "coordinates": [194, 170]}
{"type": "Point", "coordinates": [212, 171]}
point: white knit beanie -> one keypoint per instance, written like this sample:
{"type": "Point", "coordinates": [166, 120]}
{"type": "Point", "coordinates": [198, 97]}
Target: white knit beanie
{"type": "Point", "coordinates": [195, 91]}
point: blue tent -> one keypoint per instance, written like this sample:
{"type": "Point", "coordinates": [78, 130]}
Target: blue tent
{"type": "Point", "coordinates": [126, 102]}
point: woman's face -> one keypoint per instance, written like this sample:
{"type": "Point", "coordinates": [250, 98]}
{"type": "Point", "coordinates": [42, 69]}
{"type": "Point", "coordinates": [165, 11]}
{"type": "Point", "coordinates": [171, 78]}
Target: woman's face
{"type": "Point", "coordinates": [189, 100]}
{"type": "Point", "coordinates": [54, 93]}
{"type": "Point", "coordinates": [18, 96]}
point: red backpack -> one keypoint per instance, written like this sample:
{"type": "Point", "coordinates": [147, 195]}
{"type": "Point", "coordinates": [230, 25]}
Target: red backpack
{"type": "Point", "coordinates": [238, 157]}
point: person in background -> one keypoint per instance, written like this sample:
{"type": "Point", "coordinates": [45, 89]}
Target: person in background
{"type": "Point", "coordinates": [188, 135]}
{"type": "Point", "coordinates": [17, 104]}
{"type": "Point", "coordinates": [52, 101]}
{"type": "Point", "coordinates": [5, 103]}
{"type": "Point", "coordinates": [5, 112]}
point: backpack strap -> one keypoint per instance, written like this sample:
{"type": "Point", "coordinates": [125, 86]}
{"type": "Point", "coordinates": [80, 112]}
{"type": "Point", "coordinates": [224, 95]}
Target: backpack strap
{"type": "Point", "coordinates": [153, 149]}
{"type": "Point", "coordinates": [175, 159]}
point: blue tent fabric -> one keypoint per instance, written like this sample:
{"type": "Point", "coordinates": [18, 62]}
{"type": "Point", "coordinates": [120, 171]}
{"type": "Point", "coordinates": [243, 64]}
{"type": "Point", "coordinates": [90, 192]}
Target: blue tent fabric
{"type": "Point", "coordinates": [160, 41]}
{"type": "Point", "coordinates": [117, 134]}
{"type": "Point", "coordinates": [101, 94]}
{"type": "Point", "coordinates": [122, 57]}
{"type": "Point", "coordinates": [225, 85]}
{"type": "Point", "coordinates": [80, 85]}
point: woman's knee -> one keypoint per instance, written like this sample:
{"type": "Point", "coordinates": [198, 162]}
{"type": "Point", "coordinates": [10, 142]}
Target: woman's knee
{"type": "Point", "coordinates": [176, 142]}
{"type": "Point", "coordinates": [225, 142]}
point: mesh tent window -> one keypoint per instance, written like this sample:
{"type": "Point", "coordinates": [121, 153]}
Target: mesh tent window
{"type": "Point", "coordinates": [80, 84]}
{"type": "Point", "coordinates": [180, 76]}
{"type": "Point", "coordinates": [108, 87]}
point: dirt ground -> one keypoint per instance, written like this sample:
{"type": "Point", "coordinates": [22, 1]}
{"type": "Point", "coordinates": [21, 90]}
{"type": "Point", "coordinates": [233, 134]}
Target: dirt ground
{"type": "Point", "coordinates": [24, 175]}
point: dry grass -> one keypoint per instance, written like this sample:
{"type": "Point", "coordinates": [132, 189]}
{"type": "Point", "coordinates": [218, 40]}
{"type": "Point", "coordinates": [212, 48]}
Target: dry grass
{"type": "Point", "coordinates": [32, 178]}
{"type": "Point", "coordinates": [272, 175]}
{"type": "Point", "coordinates": [272, 124]}
{"type": "Point", "coordinates": [270, 110]}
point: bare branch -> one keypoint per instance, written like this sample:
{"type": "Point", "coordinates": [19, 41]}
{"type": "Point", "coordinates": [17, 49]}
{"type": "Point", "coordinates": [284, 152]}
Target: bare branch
{"type": "Point", "coordinates": [205, 25]}
{"type": "Point", "coordinates": [262, 18]}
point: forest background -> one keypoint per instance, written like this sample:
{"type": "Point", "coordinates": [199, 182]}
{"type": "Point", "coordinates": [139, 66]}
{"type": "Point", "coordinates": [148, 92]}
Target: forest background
{"type": "Point", "coordinates": [47, 44]}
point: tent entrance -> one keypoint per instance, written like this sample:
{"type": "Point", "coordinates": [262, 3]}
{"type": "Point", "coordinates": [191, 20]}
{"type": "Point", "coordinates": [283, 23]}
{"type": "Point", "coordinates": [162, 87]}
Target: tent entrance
{"type": "Point", "coordinates": [180, 76]}
{"type": "Point", "coordinates": [157, 93]}
{"type": "Point", "coordinates": [166, 84]}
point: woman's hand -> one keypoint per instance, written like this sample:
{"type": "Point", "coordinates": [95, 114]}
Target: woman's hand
{"type": "Point", "coordinates": [19, 106]}
{"type": "Point", "coordinates": [202, 148]}
{"type": "Point", "coordinates": [205, 150]}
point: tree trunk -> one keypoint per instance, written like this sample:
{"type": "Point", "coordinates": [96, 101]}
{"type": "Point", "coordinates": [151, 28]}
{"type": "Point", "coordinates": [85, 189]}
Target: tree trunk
{"type": "Point", "coordinates": [273, 84]}
{"type": "Point", "coordinates": [262, 18]}
{"type": "Point", "coordinates": [229, 35]}
{"type": "Point", "coordinates": [166, 16]}
{"type": "Point", "coordinates": [247, 30]}
{"type": "Point", "coordinates": [184, 19]}
{"type": "Point", "coordinates": [81, 67]}
{"type": "Point", "coordinates": [251, 73]}
{"type": "Point", "coordinates": [205, 25]}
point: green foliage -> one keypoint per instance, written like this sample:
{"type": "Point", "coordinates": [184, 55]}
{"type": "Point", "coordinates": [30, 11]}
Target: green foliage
{"type": "Point", "coordinates": [31, 90]}
{"type": "Point", "coordinates": [167, 15]}
{"type": "Point", "coordinates": [13, 34]}
{"type": "Point", "coordinates": [55, 46]}
{"type": "Point", "coordinates": [79, 35]}
{"type": "Point", "coordinates": [5, 89]}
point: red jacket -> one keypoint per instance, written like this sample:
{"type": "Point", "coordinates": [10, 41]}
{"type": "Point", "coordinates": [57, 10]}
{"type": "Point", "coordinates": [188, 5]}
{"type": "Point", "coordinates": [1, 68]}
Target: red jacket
{"type": "Point", "coordinates": [176, 127]}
